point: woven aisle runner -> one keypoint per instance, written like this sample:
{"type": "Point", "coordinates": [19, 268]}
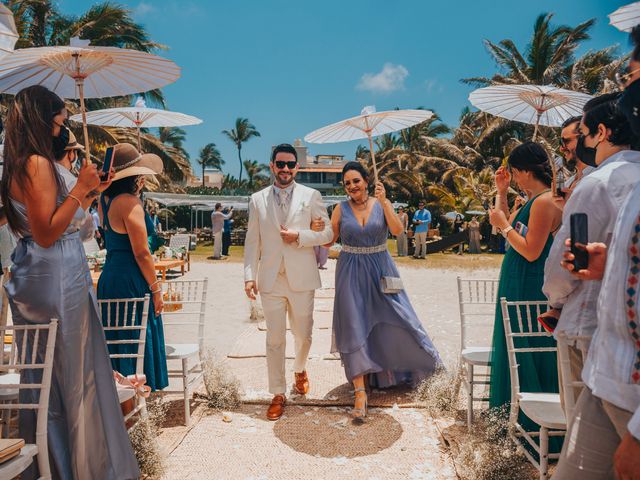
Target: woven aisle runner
{"type": "Point", "coordinates": [328, 384]}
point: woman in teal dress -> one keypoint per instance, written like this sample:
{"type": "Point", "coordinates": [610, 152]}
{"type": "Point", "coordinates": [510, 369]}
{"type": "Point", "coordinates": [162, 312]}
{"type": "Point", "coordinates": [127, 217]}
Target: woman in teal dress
{"type": "Point", "coordinates": [522, 273]}
{"type": "Point", "coordinates": [129, 270]}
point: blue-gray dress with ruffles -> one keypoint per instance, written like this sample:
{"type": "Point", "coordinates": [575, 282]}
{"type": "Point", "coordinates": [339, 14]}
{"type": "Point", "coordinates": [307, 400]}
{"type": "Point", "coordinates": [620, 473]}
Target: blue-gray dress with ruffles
{"type": "Point", "coordinates": [377, 334]}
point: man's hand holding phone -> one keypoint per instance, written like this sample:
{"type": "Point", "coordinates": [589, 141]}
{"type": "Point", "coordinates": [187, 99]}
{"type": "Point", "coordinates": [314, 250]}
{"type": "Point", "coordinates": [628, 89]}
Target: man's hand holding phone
{"type": "Point", "coordinates": [597, 260]}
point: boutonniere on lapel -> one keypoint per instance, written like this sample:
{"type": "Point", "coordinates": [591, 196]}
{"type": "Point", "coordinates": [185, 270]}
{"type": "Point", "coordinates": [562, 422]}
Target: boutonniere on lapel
{"type": "Point", "coordinates": [304, 206]}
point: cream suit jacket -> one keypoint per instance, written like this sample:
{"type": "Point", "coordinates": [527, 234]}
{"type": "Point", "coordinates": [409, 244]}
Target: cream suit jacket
{"type": "Point", "coordinates": [264, 249]}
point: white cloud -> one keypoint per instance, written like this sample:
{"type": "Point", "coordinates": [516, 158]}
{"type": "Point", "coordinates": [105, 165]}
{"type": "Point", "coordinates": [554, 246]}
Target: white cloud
{"type": "Point", "coordinates": [143, 9]}
{"type": "Point", "coordinates": [433, 86]}
{"type": "Point", "coordinates": [389, 79]}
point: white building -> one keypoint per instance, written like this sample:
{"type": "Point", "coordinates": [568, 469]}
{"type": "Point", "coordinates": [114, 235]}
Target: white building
{"type": "Point", "coordinates": [212, 178]}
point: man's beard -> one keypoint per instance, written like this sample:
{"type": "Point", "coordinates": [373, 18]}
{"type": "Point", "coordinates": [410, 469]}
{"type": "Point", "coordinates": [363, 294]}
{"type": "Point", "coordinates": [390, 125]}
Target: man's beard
{"type": "Point", "coordinates": [284, 183]}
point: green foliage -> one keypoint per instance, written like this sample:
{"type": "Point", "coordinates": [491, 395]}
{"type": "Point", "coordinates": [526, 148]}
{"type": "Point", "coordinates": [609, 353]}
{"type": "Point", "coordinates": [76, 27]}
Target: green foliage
{"type": "Point", "coordinates": [42, 23]}
{"type": "Point", "coordinates": [243, 132]}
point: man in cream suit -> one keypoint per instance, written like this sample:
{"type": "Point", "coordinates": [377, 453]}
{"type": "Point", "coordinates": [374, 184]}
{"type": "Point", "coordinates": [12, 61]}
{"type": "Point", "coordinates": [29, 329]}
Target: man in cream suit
{"type": "Point", "coordinates": [280, 264]}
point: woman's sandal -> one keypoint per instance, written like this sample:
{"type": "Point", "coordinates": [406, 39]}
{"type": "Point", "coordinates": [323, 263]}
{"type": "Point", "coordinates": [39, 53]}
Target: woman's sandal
{"type": "Point", "coordinates": [359, 414]}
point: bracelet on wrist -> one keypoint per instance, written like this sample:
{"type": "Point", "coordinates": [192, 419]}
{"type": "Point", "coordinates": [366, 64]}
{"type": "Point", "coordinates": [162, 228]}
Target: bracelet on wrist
{"type": "Point", "coordinates": [505, 232]}
{"type": "Point", "coordinates": [153, 292]}
{"type": "Point", "coordinates": [154, 283]}
{"type": "Point", "coordinates": [73, 197]}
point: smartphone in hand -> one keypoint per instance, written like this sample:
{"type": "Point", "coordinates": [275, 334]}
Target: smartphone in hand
{"type": "Point", "coordinates": [579, 237]}
{"type": "Point", "coordinates": [106, 165]}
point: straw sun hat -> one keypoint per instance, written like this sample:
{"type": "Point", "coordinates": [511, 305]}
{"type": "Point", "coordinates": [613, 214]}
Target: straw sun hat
{"type": "Point", "coordinates": [127, 161]}
{"type": "Point", "coordinates": [73, 144]}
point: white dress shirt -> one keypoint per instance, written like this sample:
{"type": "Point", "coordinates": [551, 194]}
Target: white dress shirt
{"type": "Point", "coordinates": [612, 369]}
{"type": "Point", "coordinates": [600, 195]}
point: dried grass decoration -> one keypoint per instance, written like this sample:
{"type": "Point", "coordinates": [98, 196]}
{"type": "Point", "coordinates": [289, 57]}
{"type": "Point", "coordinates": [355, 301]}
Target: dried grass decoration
{"type": "Point", "coordinates": [222, 388]}
{"type": "Point", "coordinates": [439, 393]}
{"type": "Point", "coordinates": [144, 441]}
{"type": "Point", "coordinates": [171, 298]}
{"type": "Point", "coordinates": [487, 453]}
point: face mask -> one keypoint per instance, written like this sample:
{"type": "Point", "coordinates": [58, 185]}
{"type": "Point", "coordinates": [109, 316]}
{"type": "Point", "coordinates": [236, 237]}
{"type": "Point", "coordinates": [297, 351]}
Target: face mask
{"type": "Point", "coordinates": [586, 155]}
{"type": "Point", "coordinates": [60, 142]}
{"type": "Point", "coordinates": [629, 103]}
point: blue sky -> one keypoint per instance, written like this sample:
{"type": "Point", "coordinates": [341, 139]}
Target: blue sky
{"type": "Point", "coordinates": [294, 66]}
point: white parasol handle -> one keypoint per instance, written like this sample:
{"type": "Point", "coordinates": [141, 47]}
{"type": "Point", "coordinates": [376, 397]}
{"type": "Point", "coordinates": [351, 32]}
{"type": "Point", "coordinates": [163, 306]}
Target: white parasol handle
{"type": "Point", "coordinates": [371, 150]}
{"type": "Point", "coordinates": [79, 78]}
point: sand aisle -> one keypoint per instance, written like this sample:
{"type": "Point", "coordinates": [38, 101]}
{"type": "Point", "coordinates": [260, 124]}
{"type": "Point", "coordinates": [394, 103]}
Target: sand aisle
{"type": "Point", "coordinates": [315, 438]}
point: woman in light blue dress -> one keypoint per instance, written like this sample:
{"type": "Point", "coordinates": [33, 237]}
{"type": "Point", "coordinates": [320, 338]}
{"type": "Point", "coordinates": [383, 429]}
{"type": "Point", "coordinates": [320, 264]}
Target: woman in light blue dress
{"type": "Point", "coordinates": [378, 335]}
{"type": "Point", "coordinates": [50, 279]}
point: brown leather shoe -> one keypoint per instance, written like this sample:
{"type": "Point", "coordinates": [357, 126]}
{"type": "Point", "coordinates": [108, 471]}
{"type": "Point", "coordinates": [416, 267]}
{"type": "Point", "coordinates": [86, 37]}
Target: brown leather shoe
{"type": "Point", "coordinates": [302, 383]}
{"type": "Point", "coordinates": [276, 409]}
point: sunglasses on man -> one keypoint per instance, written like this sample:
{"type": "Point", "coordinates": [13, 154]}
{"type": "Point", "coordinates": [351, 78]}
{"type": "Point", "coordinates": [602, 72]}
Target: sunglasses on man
{"type": "Point", "coordinates": [280, 164]}
{"type": "Point", "coordinates": [564, 141]}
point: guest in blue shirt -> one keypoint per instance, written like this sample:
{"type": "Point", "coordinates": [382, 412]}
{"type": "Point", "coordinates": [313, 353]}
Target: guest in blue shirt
{"type": "Point", "coordinates": [226, 233]}
{"type": "Point", "coordinates": [421, 220]}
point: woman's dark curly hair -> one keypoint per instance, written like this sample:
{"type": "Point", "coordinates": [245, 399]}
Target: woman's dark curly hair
{"type": "Point", "coordinates": [357, 166]}
{"type": "Point", "coordinates": [532, 157]}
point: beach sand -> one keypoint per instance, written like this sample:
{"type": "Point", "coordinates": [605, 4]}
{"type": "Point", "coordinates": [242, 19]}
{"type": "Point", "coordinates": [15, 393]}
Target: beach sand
{"type": "Point", "coordinates": [315, 438]}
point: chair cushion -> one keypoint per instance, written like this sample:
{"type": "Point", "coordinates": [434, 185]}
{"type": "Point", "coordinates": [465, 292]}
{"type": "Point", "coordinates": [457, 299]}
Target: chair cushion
{"type": "Point", "coordinates": [18, 464]}
{"type": "Point", "coordinates": [544, 409]}
{"type": "Point", "coordinates": [477, 355]}
{"type": "Point", "coordinates": [181, 350]}
{"type": "Point", "coordinates": [9, 393]}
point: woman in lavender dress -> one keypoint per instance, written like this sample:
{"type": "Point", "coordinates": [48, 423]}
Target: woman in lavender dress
{"type": "Point", "coordinates": [378, 335]}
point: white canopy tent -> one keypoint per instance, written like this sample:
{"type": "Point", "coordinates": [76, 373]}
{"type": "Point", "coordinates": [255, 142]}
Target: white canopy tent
{"type": "Point", "coordinates": [206, 203]}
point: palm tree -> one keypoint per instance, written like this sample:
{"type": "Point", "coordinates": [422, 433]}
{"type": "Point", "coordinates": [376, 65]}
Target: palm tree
{"type": "Point", "coordinates": [547, 59]}
{"type": "Point", "coordinates": [243, 132]}
{"type": "Point", "coordinates": [41, 23]}
{"type": "Point", "coordinates": [463, 189]}
{"type": "Point", "coordinates": [209, 157]}
{"type": "Point", "coordinates": [255, 171]}
{"type": "Point", "coordinates": [174, 137]}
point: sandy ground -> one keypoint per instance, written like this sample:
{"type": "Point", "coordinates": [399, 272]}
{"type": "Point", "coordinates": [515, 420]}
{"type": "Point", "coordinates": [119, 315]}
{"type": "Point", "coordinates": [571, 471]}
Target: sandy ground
{"type": "Point", "coordinates": [433, 294]}
{"type": "Point", "coordinates": [315, 442]}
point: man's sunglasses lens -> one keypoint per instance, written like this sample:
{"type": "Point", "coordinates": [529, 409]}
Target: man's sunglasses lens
{"type": "Point", "coordinates": [281, 164]}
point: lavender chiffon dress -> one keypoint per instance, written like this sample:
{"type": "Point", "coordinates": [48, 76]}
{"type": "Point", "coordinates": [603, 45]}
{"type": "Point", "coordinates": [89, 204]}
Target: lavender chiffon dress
{"type": "Point", "coordinates": [377, 334]}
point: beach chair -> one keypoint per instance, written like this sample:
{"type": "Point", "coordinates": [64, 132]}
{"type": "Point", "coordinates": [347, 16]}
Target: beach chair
{"type": "Point", "coordinates": [543, 408]}
{"type": "Point", "coordinates": [23, 357]}
{"type": "Point", "coordinates": [119, 315]}
{"type": "Point", "coordinates": [477, 300]}
{"type": "Point", "coordinates": [182, 240]}
{"type": "Point", "coordinates": [568, 382]}
{"type": "Point", "coordinates": [184, 306]}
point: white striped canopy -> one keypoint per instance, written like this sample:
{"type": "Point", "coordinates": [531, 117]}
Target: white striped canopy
{"type": "Point", "coordinates": [368, 123]}
{"type": "Point", "coordinates": [625, 18]}
{"type": "Point", "coordinates": [107, 71]}
{"type": "Point", "coordinates": [533, 104]}
{"type": "Point", "coordinates": [138, 116]}
{"type": "Point", "coordinates": [8, 32]}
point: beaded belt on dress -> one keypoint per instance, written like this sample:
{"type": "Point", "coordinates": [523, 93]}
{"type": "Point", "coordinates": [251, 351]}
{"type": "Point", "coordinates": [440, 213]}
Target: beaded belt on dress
{"type": "Point", "coordinates": [364, 250]}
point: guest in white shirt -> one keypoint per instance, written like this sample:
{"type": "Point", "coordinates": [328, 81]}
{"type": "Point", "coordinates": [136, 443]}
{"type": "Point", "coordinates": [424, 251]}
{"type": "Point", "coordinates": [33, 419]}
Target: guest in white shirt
{"type": "Point", "coordinates": [605, 434]}
{"type": "Point", "coordinates": [604, 142]}
{"type": "Point", "coordinates": [217, 225]}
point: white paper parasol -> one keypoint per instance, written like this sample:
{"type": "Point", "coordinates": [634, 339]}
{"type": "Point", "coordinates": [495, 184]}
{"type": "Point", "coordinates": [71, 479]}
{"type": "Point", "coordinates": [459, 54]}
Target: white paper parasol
{"type": "Point", "coordinates": [368, 124]}
{"type": "Point", "coordinates": [533, 104]}
{"type": "Point", "coordinates": [8, 32]}
{"type": "Point", "coordinates": [137, 117]}
{"type": "Point", "coordinates": [82, 71]}
{"type": "Point", "coordinates": [625, 18]}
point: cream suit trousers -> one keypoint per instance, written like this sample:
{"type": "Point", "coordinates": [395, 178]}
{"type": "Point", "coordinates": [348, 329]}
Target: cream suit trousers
{"type": "Point", "coordinates": [275, 304]}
